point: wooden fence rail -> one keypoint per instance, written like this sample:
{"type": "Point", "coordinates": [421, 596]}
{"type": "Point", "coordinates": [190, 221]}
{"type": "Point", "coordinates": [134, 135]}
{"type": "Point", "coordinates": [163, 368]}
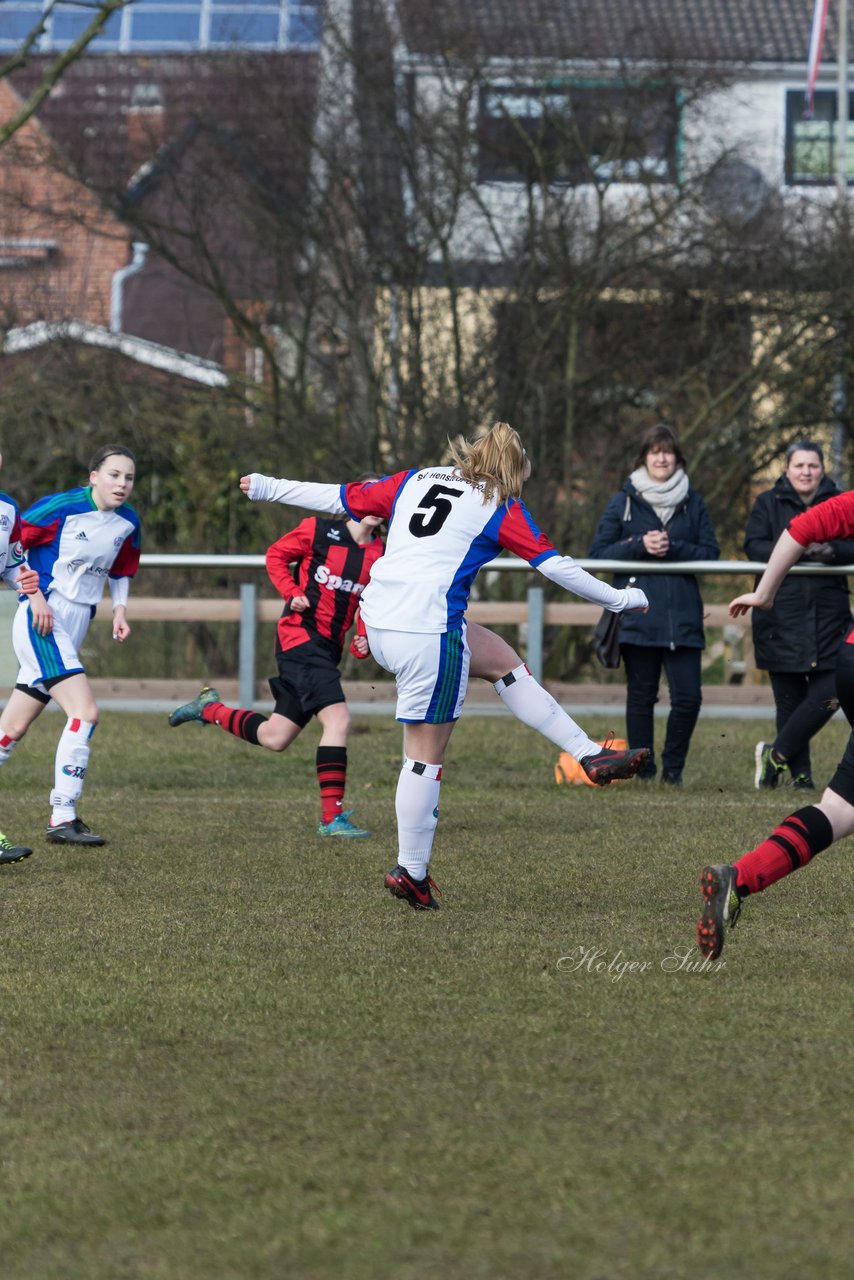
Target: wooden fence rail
{"type": "Point", "coordinates": [533, 614]}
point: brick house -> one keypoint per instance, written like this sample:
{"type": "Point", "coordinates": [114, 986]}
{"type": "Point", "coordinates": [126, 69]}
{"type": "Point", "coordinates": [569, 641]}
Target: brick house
{"type": "Point", "coordinates": [127, 140]}
{"type": "Point", "coordinates": [59, 248]}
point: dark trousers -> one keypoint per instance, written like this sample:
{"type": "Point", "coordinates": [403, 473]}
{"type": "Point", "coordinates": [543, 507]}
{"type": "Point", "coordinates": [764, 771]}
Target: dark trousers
{"type": "Point", "coordinates": [805, 701]}
{"type": "Point", "coordinates": [643, 676]}
{"type": "Point", "coordinates": [842, 781]}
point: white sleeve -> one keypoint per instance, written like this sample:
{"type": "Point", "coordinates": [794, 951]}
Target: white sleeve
{"type": "Point", "coordinates": [119, 590]}
{"type": "Point", "coordinates": [567, 574]}
{"type": "Point", "coordinates": [296, 493]}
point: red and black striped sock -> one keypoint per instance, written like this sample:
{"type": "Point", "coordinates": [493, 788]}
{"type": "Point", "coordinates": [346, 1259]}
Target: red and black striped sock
{"type": "Point", "coordinates": [240, 723]}
{"type": "Point", "coordinates": [331, 763]}
{"type": "Point", "coordinates": [792, 845]}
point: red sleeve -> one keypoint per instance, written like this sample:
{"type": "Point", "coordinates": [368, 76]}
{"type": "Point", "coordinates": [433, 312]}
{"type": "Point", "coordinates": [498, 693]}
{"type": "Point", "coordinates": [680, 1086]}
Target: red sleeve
{"type": "Point", "coordinates": [295, 545]}
{"type": "Point", "coordinates": [831, 519]}
{"type": "Point", "coordinates": [38, 535]}
{"type": "Point", "coordinates": [126, 562]}
{"type": "Point", "coordinates": [359, 631]}
{"type": "Point", "coordinates": [519, 534]}
{"type": "Point", "coordinates": [373, 497]}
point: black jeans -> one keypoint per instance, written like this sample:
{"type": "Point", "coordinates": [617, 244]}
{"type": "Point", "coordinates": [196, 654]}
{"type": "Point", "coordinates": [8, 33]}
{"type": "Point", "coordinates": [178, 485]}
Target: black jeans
{"type": "Point", "coordinates": [805, 701]}
{"type": "Point", "coordinates": [842, 781]}
{"type": "Point", "coordinates": [643, 676]}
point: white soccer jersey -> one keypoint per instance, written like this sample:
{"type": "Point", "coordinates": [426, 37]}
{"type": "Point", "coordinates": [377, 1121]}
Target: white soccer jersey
{"type": "Point", "coordinates": [75, 547]}
{"type": "Point", "coordinates": [441, 533]}
{"type": "Point", "coordinates": [11, 550]}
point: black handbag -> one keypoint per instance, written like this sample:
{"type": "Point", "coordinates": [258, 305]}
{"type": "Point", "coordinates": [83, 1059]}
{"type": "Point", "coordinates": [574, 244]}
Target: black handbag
{"type": "Point", "coordinates": [606, 638]}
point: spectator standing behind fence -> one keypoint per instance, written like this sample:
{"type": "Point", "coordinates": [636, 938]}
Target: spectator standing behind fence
{"type": "Point", "coordinates": [656, 516]}
{"type": "Point", "coordinates": [797, 640]}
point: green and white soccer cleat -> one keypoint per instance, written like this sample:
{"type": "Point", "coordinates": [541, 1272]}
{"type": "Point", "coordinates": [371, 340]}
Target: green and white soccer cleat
{"type": "Point", "coordinates": [193, 710]}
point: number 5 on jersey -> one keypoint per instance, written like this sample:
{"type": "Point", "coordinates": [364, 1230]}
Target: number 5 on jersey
{"type": "Point", "coordinates": [437, 501]}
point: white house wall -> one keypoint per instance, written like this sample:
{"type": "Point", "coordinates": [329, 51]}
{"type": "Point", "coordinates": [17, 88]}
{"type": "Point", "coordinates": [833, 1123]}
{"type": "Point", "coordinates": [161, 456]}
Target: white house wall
{"type": "Point", "coordinates": [748, 119]}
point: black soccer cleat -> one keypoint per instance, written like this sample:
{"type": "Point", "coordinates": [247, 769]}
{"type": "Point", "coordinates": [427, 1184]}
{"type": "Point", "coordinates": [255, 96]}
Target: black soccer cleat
{"type": "Point", "coordinates": [73, 832]}
{"type": "Point", "coordinates": [612, 766]}
{"type": "Point", "coordinates": [417, 893]}
{"type": "Point", "coordinates": [721, 908]}
{"type": "Point", "coordinates": [769, 770]}
{"type": "Point", "coordinates": [12, 852]}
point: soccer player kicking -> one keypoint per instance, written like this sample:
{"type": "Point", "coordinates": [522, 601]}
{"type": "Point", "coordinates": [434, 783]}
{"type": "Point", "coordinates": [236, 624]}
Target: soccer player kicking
{"type": "Point", "coordinates": [445, 523]}
{"type": "Point", "coordinates": [76, 542]}
{"type": "Point", "coordinates": [334, 559]}
{"type": "Point", "coordinates": [19, 577]}
{"type": "Point", "coordinates": [814, 828]}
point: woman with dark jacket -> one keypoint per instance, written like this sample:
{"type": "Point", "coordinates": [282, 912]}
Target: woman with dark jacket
{"type": "Point", "coordinates": [658, 516]}
{"type": "Point", "coordinates": [798, 639]}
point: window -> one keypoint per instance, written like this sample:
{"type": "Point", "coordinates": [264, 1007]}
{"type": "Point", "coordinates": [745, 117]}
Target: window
{"type": "Point", "coordinates": [578, 133]}
{"type": "Point", "coordinates": [811, 144]}
{"type": "Point", "coordinates": [149, 25]}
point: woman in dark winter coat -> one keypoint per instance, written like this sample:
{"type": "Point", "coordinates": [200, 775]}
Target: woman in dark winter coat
{"type": "Point", "coordinates": [658, 516]}
{"type": "Point", "coordinates": [798, 639]}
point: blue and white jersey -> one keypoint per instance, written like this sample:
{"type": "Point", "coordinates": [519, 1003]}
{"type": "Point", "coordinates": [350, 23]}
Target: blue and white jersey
{"type": "Point", "coordinates": [11, 550]}
{"type": "Point", "coordinates": [75, 547]}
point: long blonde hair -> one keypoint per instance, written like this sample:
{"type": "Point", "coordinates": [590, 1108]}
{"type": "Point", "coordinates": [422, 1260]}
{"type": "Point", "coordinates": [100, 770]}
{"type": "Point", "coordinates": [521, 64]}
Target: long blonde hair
{"type": "Point", "coordinates": [494, 459]}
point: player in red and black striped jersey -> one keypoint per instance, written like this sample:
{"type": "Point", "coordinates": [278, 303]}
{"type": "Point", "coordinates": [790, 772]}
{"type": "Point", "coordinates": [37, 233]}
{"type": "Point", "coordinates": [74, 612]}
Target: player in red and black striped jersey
{"type": "Point", "coordinates": [809, 830]}
{"type": "Point", "coordinates": [333, 561]}
{"type": "Point", "coordinates": [333, 570]}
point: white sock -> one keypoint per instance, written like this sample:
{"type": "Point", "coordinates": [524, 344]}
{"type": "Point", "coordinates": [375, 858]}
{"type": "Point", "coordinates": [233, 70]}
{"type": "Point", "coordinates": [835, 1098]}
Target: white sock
{"type": "Point", "coordinates": [69, 772]}
{"type": "Point", "coordinates": [6, 747]}
{"type": "Point", "coordinates": [536, 708]}
{"type": "Point", "coordinates": [417, 808]}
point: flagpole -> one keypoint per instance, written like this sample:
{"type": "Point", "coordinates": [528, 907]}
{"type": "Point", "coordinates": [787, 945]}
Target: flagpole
{"type": "Point", "coordinates": [842, 104]}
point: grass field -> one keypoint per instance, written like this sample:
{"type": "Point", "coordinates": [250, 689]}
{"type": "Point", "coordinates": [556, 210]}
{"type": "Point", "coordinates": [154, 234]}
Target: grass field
{"type": "Point", "coordinates": [227, 1052]}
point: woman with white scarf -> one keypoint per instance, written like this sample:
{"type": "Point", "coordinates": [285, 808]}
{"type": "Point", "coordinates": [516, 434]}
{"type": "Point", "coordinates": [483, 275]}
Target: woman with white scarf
{"type": "Point", "coordinates": [658, 516]}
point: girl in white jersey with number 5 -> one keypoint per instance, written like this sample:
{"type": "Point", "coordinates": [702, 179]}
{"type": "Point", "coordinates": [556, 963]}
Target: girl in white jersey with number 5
{"type": "Point", "coordinates": [76, 542]}
{"type": "Point", "coordinates": [445, 523]}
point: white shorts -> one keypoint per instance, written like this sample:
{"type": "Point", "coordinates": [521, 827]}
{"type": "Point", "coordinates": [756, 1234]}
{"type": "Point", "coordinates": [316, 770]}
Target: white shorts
{"type": "Point", "coordinates": [431, 671]}
{"type": "Point", "coordinates": [46, 659]}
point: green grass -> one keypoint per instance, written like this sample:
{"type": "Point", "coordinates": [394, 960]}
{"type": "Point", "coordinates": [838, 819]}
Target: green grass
{"type": "Point", "coordinates": [227, 1052]}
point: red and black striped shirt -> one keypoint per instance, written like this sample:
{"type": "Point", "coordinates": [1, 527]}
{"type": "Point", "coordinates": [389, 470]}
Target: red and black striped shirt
{"type": "Point", "coordinates": [332, 571]}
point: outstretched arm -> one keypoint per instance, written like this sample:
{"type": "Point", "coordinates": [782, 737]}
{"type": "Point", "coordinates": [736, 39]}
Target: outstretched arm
{"type": "Point", "coordinates": [787, 552]}
{"type": "Point", "coordinates": [567, 574]}
{"type": "Point", "coordinates": [294, 493]}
